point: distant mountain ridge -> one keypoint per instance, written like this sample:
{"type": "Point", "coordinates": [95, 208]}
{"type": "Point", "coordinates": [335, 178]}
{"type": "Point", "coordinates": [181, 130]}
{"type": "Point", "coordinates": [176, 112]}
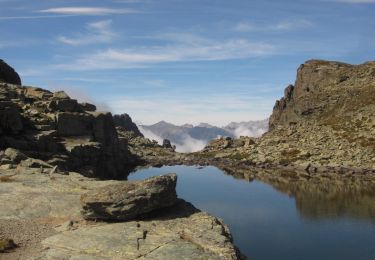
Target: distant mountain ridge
{"type": "Point", "coordinates": [190, 138]}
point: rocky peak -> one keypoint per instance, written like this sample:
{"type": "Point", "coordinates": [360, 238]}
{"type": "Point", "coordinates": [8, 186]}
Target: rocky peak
{"type": "Point", "coordinates": [322, 86]}
{"type": "Point", "coordinates": [8, 74]}
{"type": "Point", "coordinates": [125, 122]}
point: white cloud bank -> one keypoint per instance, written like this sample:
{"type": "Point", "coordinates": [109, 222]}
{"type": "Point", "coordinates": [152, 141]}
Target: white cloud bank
{"type": "Point", "coordinates": [188, 145]}
{"type": "Point", "coordinates": [150, 135]}
{"type": "Point", "coordinates": [98, 32]}
{"type": "Point", "coordinates": [244, 131]}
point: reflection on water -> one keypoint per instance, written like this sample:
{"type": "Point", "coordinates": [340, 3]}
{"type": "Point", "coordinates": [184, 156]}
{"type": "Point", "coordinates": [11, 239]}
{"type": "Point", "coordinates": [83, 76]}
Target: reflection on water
{"type": "Point", "coordinates": [323, 197]}
{"type": "Point", "coordinates": [284, 215]}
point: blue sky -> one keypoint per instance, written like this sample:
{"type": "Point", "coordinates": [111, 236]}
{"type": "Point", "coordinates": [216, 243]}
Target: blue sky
{"type": "Point", "coordinates": [183, 61]}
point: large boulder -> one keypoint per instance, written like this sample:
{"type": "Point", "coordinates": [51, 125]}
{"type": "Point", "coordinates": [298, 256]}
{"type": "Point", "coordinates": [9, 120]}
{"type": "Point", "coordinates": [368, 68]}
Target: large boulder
{"type": "Point", "coordinates": [8, 74]}
{"type": "Point", "coordinates": [65, 105]}
{"type": "Point", "coordinates": [128, 200]}
{"type": "Point", "coordinates": [74, 124]}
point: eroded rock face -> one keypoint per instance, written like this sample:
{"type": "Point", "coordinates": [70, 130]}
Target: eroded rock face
{"type": "Point", "coordinates": [323, 86]}
{"type": "Point", "coordinates": [130, 199]}
{"type": "Point", "coordinates": [8, 74]}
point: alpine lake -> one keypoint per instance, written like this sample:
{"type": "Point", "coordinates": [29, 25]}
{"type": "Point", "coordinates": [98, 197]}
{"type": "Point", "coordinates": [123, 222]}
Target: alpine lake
{"type": "Point", "coordinates": [282, 219]}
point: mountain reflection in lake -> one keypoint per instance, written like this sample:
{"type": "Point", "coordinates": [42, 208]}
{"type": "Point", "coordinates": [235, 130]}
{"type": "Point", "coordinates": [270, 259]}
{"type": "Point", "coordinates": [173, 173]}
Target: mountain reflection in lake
{"type": "Point", "coordinates": [285, 217]}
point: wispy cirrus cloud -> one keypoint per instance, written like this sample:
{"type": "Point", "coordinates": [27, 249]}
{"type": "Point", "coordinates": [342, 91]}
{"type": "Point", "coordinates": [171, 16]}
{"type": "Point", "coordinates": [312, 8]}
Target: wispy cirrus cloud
{"type": "Point", "coordinates": [32, 17]}
{"type": "Point", "coordinates": [195, 49]}
{"type": "Point", "coordinates": [130, 1]}
{"type": "Point", "coordinates": [87, 11]}
{"type": "Point", "coordinates": [280, 26]}
{"type": "Point", "coordinates": [97, 32]}
{"type": "Point", "coordinates": [356, 1]}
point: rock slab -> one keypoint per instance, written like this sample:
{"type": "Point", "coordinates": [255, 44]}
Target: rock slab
{"type": "Point", "coordinates": [131, 199]}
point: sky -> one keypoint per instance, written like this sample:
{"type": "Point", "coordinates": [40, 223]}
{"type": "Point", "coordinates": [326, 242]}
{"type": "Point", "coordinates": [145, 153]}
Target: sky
{"type": "Point", "coordinates": [182, 61]}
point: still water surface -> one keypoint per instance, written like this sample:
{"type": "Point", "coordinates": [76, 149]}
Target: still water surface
{"type": "Point", "coordinates": [282, 220]}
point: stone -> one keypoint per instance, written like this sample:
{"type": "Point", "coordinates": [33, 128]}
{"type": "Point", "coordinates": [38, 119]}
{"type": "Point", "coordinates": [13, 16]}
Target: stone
{"type": "Point", "coordinates": [35, 163]}
{"type": "Point", "coordinates": [10, 118]}
{"type": "Point", "coordinates": [60, 95]}
{"type": "Point", "coordinates": [87, 107]}
{"type": "Point", "coordinates": [15, 155]}
{"type": "Point", "coordinates": [74, 124]}
{"type": "Point", "coordinates": [37, 93]}
{"type": "Point", "coordinates": [131, 199]}
{"type": "Point", "coordinates": [178, 232]}
{"type": "Point", "coordinates": [6, 244]}
{"type": "Point", "coordinates": [167, 144]}
{"type": "Point", "coordinates": [65, 105]}
{"type": "Point", "coordinates": [8, 74]}
{"type": "Point", "coordinates": [104, 130]}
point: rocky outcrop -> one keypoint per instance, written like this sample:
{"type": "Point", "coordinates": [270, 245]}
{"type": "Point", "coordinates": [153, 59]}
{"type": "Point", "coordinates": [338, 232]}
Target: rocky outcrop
{"type": "Point", "coordinates": [324, 123]}
{"type": "Point", "coordinates": [323, 88]}
{"type": "Point", "coordinates": [8, 74]}
{"type": "Point", "coordinates": [129, 200]}
{"type": "Point", "coordinates": [58, 130]}
{"type": "Point", "coordinates": [125, 122]}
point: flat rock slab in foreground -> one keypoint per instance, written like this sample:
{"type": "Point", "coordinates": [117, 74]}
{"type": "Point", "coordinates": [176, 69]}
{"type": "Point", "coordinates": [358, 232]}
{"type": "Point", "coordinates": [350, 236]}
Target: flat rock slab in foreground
{"type": "Point", "coordinates": [179, 232]}
{"type": "Point", "coordinates": [128, 200]}
{"type": "Point", "coordinates": [41, 213]}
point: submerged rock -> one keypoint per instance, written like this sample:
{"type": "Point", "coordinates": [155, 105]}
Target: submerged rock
{"type": "Point", "coordinates": [130, 199]}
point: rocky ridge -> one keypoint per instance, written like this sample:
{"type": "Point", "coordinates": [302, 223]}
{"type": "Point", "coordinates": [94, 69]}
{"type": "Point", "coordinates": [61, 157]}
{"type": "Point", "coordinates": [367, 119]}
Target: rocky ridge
{"type": "Point", "coordinates": [52, 129]}
{"type": "Point", "coordinates": [325, 122]}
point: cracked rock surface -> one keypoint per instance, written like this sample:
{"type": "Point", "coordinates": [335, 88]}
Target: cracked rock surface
{"type": "Point", "coordinates": [41, 213]}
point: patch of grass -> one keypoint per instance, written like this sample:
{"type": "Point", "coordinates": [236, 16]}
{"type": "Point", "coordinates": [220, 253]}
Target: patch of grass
{"type": "Point", "coordinates": [238, 156]}
{"type": "Point", "coordinates": [205, 154]}
{"type": "Point", "coordinates": [290, 153]}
